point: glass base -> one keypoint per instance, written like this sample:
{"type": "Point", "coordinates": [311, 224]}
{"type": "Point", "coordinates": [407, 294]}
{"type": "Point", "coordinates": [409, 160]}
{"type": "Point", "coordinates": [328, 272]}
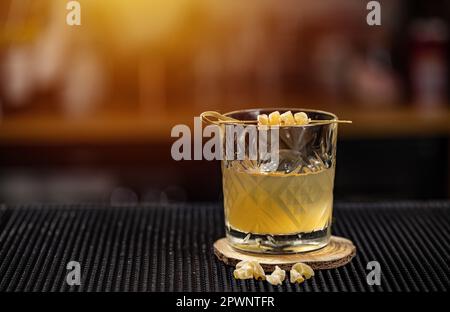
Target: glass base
{"type": "Point", "coordinates": [278, 244]}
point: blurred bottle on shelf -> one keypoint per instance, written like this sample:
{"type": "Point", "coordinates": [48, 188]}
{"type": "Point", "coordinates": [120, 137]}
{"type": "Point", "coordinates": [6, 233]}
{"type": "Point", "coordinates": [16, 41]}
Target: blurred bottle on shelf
{"type": "Point", "coordinates": [83, 84]}
{"type": "Point", "coordinates": [373, 81]}
{"type": "Point", "coordinates": [428, 62]}
{"type": "Point", "coordinates": [16, 80]}
{"type": "Point", "coordinates": [19, 28]}
{"type": "Point", "coordinates": [206, 72]}
{"type": "Point", "coordinates": [46, 66]}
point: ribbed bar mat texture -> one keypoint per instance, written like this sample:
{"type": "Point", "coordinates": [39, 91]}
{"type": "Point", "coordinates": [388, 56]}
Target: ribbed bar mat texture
{"type": "Point", "coordinates": [169, 248]}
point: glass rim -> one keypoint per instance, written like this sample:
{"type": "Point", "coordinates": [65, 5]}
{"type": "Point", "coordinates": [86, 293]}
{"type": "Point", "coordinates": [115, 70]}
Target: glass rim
{"type": "Point", "coordinates": [306, 110]}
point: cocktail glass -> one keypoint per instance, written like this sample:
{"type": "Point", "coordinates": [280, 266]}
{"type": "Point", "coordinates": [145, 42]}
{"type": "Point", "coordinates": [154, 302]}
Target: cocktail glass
{"type": "Point", "coordinates": [283, 206]}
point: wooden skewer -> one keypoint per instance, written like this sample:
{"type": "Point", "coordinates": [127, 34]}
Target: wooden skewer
{"type": "Point", "coordinates": [221, 119]}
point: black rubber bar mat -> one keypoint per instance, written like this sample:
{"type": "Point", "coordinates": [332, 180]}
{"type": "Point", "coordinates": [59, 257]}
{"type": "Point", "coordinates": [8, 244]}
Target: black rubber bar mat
{"type": "Point", "coordinates": [169, 248]}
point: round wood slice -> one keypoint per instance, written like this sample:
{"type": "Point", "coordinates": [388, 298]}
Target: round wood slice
{"type": "Point", "coordinates": [338, 252]}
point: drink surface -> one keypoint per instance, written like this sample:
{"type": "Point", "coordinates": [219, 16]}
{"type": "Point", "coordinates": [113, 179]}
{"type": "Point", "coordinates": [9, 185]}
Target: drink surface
{"type": "Point", "coordinates": [278, 203]}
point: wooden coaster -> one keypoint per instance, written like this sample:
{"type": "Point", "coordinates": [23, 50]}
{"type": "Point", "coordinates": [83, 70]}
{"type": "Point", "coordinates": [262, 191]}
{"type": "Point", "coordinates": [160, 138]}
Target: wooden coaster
{"type": "Point", "coordinates": [338, 252]}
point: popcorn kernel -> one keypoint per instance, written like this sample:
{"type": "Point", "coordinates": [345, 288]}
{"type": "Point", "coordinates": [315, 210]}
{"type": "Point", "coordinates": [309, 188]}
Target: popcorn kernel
{"type": "Point", "coordinates": [249, 269]}
{"type": "Point", "coordinates": [296, 277]}
{"type": "Point", "coordinates": [287, 119]}
{"type": "Point", "coordinates": [263, 120]}
{"type": "Point", "coordinates": [277, 277]}
{"type": "Point", "coordinates": [301, 118]}
{"type": "Point", "coordinates": [275, 118]}
{"type": "Point", "coordinates": [300, 272]}
{"type": "Point", "coordinates": [244, 272]}
{"type": "Point", "coordinates": [303, 269]}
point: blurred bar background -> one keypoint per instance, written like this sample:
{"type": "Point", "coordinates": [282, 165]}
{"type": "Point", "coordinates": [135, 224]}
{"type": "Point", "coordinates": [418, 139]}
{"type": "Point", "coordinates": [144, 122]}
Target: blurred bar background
{"type": "Point", "coordinates": [86, 111]}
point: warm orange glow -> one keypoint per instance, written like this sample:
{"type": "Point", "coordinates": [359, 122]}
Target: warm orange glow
{"type": "Point", "coordinates": [137, 21]}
